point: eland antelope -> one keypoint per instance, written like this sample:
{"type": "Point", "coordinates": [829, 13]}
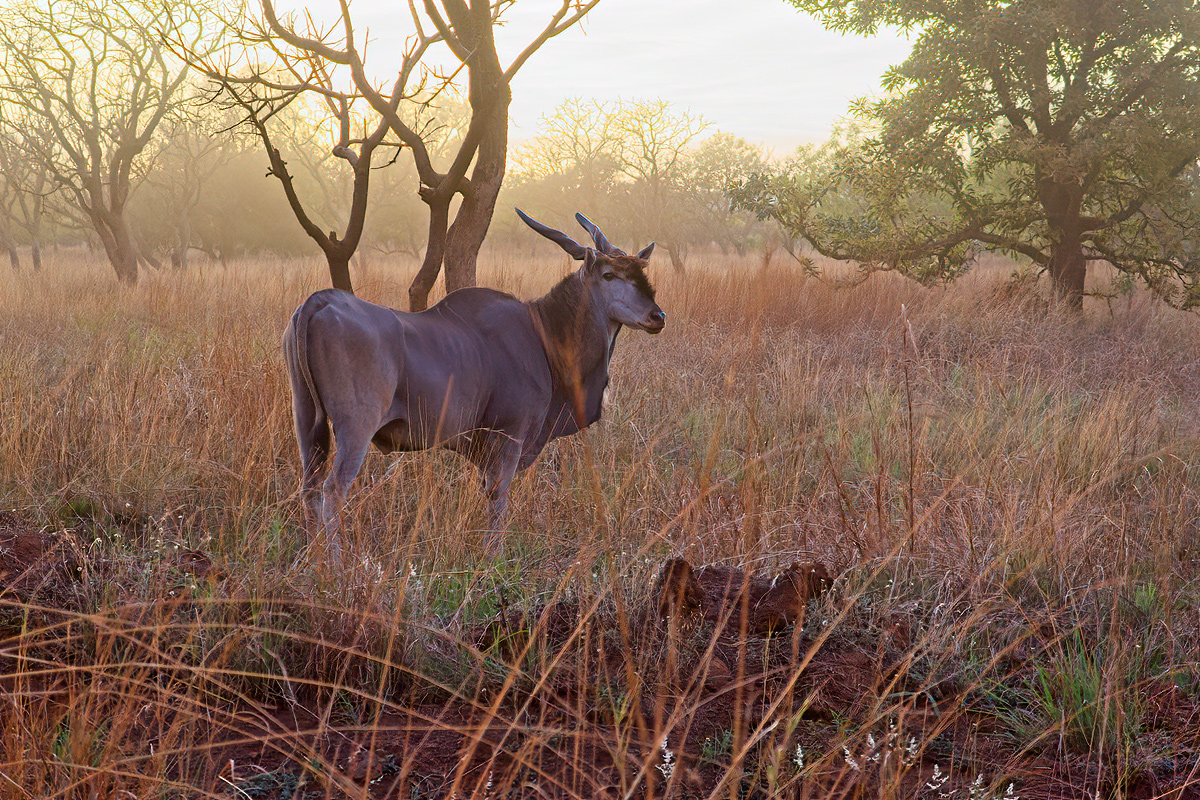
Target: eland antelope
{"type": "Point", "coordinates": [482, 373]}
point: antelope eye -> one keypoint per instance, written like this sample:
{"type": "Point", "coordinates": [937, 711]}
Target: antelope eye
{"type": "Point", "coordinates": [608, 276]}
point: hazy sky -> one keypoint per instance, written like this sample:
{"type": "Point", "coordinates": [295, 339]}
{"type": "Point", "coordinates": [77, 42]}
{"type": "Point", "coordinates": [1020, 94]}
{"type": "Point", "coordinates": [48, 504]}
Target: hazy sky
{"type": "Point", "coordinates": [755, 68]}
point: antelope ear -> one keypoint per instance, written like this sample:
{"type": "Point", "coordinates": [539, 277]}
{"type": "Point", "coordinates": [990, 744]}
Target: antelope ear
{"type": "Point", "coordinates": [644, 255]}
{"type": "Point", "coordinates": [589, 260]}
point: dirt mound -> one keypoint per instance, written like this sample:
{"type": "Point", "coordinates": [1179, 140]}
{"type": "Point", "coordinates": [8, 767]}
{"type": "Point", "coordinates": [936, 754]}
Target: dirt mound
{"type": "Point", "coordinates": [734, 599]}
{"type": "Point", "coordinates": [35, 565]}
{"type": "Point", "coordinates": [47, 569]}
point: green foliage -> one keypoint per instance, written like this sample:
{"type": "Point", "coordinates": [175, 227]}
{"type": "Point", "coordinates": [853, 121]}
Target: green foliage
{"type": "Point", "coordinates": [1058, 131]}
{"type": "Point", "coordinates": [716, 749]}
{"type": "Point", "coordinates": [1088, 696]}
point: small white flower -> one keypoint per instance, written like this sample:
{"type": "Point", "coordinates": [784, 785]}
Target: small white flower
{"type": "Point", "coordinates": [849, 758]}
{"type": "Point", "coordinates": [910, 750]}
{"type": "Point", "coordinates": [872, 752]}
{"type": "Point", "coordinates": [667, 768]}
{"type": "Point", "coordinates": [798, 757]}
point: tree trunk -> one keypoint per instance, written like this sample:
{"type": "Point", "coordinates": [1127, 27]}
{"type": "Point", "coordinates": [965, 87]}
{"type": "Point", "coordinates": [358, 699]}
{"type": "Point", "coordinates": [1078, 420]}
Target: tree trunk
{"type": "Point", "coordinates": [124, 260]}
{"type": "Point", "coordinates": [118, 246]}
{"type": "Point", "coordinates": [435, 250]}
{"type": "Point", "coordinates": [768, 253]}
{"type": "Point", "coordinates": [676, 259]}
{"type": "Point", "coordinates": [147, 258]}
{"type": "Point", "coordinates": [1063, 205]}
{"type": "Point", "coordinates": [35, 236]}
{"type": "Point", "coordinates": [1068, 272]}
{"type": "Point", "coordinates": [466, 236]}
{"type": "Point", "coordinates": [183, 241]}
{"type": "Point", "coordinates": [9, 244]}
{"type": "Point", "coordinates": [470, 227]}
{"type": "Point", "coordinates": [339, 270]}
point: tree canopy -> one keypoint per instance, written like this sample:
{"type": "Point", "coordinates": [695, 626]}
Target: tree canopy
{"type": "Point", "coordinates": [644, 169]}
{"type": "Point", "coordinates": [1062, 131]}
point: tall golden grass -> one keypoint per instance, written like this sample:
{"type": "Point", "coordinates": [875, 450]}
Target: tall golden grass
{"type": "Point", "coordinates": [1008, 492]}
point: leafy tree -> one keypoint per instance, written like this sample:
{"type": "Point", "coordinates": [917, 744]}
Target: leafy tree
{"type": "Point", "coordinates": [717, 163]}
{"type": "Point", "coordinates": [1062, 131]}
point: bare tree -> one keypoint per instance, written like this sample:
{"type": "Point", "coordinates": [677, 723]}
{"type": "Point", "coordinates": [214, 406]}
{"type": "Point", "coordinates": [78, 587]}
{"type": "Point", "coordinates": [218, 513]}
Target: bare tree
{"type": "Point", "coordinates": [654, 149]}
{"type": "Point", "coordinates": [28, 187]}
{"type": "Point", "coordinates": [356, 152]}
{"type": "Point", "coordinates": [467, 29]}
{"type": "Point", "coordinates": [636, 164]}
{"type": "Point", "coordinates": [579, 149]}
{"type": "Point", "coordinates": [7, 213]}
{"type": "Point", "coordinates": [98, 77]}
{"type": "Point", "coordinates": [266, 78]}
{"type": "Point", "coordinates": [13, 169]}
{"type": "Point", "coordinates": [194, 149]}
{"type": "Point", "coordinates": [96, 83]}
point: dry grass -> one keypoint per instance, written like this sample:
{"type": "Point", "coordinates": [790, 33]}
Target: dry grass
{"type": "Point", "coordinates": [1009, 495]}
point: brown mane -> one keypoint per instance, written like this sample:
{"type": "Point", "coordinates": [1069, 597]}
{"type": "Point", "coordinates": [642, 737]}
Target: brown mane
{"type": "Point", "coordinates": [576, 346]}
{"type": "Point", "coordinates": [562, 312]}
{"type": "Point", "coordinates": [573, 346]}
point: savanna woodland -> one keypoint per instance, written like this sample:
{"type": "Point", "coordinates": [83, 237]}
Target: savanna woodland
{"type": "Point", "coordinates": [904, 501]}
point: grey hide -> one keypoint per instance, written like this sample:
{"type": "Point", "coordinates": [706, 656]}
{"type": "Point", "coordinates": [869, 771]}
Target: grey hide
{"type": "Point", "coordinates": [481, 373]}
